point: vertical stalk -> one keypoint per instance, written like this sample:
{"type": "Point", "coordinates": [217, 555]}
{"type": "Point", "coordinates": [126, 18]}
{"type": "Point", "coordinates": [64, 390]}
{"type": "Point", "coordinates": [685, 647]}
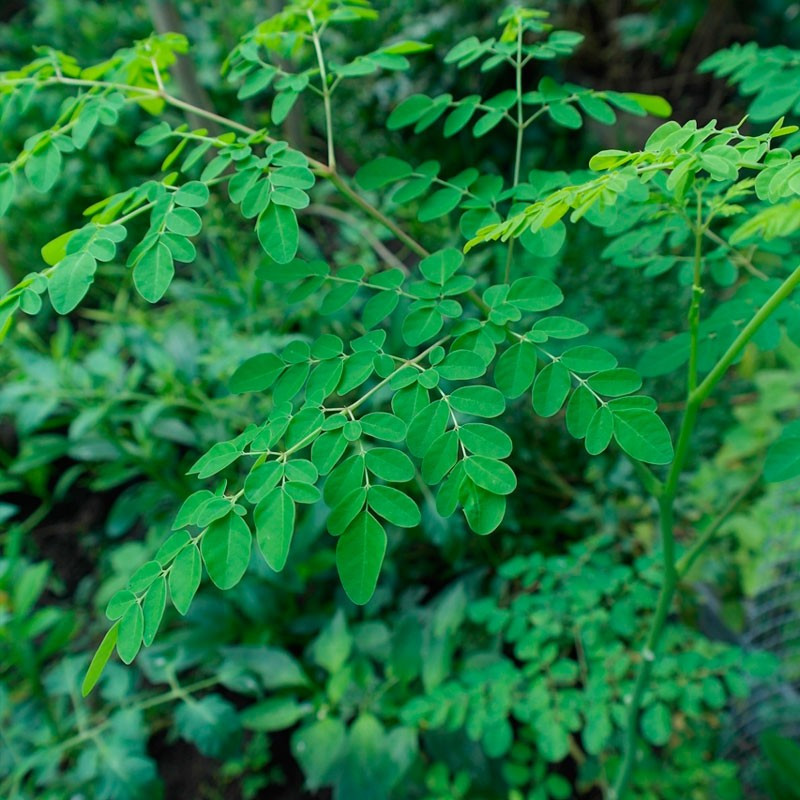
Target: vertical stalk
{"type": "Point", "coordinates": [520, 121]}
{"type": "Point", "coordinates": [520, 126]}
{"type": "Point", "coordinates": [666, 595]}
{"type": "Point", "coordinates": [666, 503]}
{"type": "Point", "coordinates": [326, 93]}
{"type": "Point", "coordinates": [697, 293]}
{"type": "Point", "coordinates": [674, 570]}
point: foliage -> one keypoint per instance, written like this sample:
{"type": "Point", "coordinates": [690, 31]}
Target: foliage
{"type": "Point", "coordinates": [385, 404]}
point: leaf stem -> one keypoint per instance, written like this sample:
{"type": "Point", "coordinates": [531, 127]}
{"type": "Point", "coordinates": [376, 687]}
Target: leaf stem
{"type": "Point", "coordinates": [697, 293]}
{"type": "Point", "coordinates": [326, 94]}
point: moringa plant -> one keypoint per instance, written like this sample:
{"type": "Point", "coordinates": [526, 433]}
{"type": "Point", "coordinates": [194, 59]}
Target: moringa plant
{"type": "Point", "coordinates": [452, 325]}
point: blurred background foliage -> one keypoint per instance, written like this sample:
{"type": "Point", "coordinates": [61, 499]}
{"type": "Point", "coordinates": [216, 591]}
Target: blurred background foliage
{"type": "Point", "coordinates": [484, 667]}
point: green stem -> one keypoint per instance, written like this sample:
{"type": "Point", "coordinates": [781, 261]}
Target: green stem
{"type": "Point", "coordinates": [326, 93]}
{"type": "Point", "coordinates": [672, 571]}
{"type": "Point", "coordinates": [697, 293]}
{"type": "Point", "coordinates": [377, 215]}
{"type": "Point", "coordinates": [520, 122]}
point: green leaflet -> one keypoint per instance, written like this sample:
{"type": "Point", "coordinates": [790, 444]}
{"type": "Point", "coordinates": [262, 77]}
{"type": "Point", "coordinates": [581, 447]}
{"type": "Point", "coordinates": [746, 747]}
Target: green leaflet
{"type": "Point", "coordinates": [580, 410]}
{"type": "Point", "coordinates": [345, 511]}
{"type": "Point", "coordinates": [226, 550]}
{"type": "Point", "coordinates": [485, 440]}
{"type": "Point", "coordinates": [585, 358]}
{"type": "Point", "coordinates": [274, 519]}
{"type": "Point", "coordinates": [381, 425]}
{"type": "Point", "coordinates": [278, 232]}
{"type": "Point", "coordinates": [153, 272]}
{"type": "Point", "coordinates": [426, 426]}
{"type": "Point", "coordinates": [100, 659]}
{"type": "Point", "coordinates": [783, 456]}
{"type": "Point", "coordinates": [484, 510]}
{"type": "Point", "coordinates": [43, 167]}
{"type": "Point", "coordinates": [70, 281]}
{"type": "Point", "coordinates": [490, 474]}
{"type": "Point", "coordinates": [550, 389]}
{"type": "Point", "coordinates": [534, 294]}
{"type": "Point", "coordinates": [129, 633]}
{"type": "Point", "coordinates": [599, 430]}
{"type": "Point", "coordinates": [478, 401]}
{"type": "Point", "coordinates": [615, 382]}
{"type": "Point", "coordinates": [256, 374]}
{"type": "Point", "coordinates": [155, 602]}
{"type": "Point", "coordinates": [421, 325]}
{"type": "Point", "coordinates": [642, 435]}
{"type": "Point", "coordinates": [389, 465]}
{"type": "Point", "coordinates": [656, 724]}
{"type": "Point", "coordinates": [516, 369]}
{"type": "Point", "coordinates": [442, 265]}
{"type": "Point", "coordinates": [462, 365]}
{"type": "Point", "coordinates": [440, 458]}
{"type": "Point", "coordinates": [382, 171]}
{"type": "Point", "coordinates": [359, 556]}
{"type": "Point", "coordinates": [394, 506]}
{"type": "Point", "coordinates": [327, 450]}
{"type": "Point", "coordinates": [193, 194]}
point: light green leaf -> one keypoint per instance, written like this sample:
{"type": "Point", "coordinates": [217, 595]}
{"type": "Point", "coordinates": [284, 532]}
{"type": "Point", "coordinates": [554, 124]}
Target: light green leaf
{"type": "Point", "coordinates": [421, 325]}
{"type": "Point", "coordinates": [346, 509]}
{"type": "Point", "coordinates": [153, 272]}
{"type": "Point", "coordinates": [490, 474]}
{"type": "Point", "coordinates": [274, 714]}
{"type": "Point", "coordinates": [278, 232]}
{"type": "Point", "coordinates": [599, 430]}
{"type": "Point", "coordinates": [438, 204]}
{"type": "Point", "coordinates": [585, 358]}
{"type": "Point", "coordinates": [274, 519]}
{"type": "Point", "coordinates": [43, 166]}
{"type": "Point", "coordinates": [390, 465]}
{"type": "Point", "coordinates": [580, 410]}
{"type": "Point", "coordinates": [485, 440]}
{"type": "Point", "coordinates": [383, 170]}
{"type": "Point", "coordinates": [100, 659]}
{"type": "Point", "coordinates": [461, 365]}
{"type": "Point", "coordinates": [426, 426]}
{"type": "Point", "coordinates": [226, 550]}
{"type": "Point", "coordinates": [394, 506]}
{"type": "Point", "coordinates": [193, 194]}
{"type": "Point", "coordinates": [70, 280]}
{"type": "Point", "coordinates": [534, 294]}
{"type": "Point", "coordinates": [657, 724]}
{"type": "Point", "coordinates": [155, 602]}
{"type": "Point", "coordinates": [184, 578]}
{"type": "Point", "coordinates": [550, 389]}
{"type": "Point", "coordinates": [359, 556]}
{"type": "Point", "coordinates": [478, 401]}
{"type": "Point", "coordinates": [642, 435]}
{"type": "Point", "coordinates": [516, 369]}
{"type": "Point", "coordinates": [256, 374]}
{"type": "Point", "coordinates": [440, 458]}
{"type": "Point", "coordinates": [129, 638]}
{"type": "Point", "coordinates": [616, 382]}
{"type": "Point", "coordinates": [439, 267]}
{"type": "Point", "coordinates": [484, 510]}
{"type": "Point", "coordinates": [381, 425]}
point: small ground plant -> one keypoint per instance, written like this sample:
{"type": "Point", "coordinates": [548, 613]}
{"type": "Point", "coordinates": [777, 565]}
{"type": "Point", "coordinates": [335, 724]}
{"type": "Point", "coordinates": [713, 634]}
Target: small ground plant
{"type": "Point", "coordinates": [403, 398]}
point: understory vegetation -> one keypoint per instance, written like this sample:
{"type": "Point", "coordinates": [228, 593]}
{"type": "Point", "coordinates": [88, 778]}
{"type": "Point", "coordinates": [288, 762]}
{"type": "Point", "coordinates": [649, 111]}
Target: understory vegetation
{"type": "Point", "coordinates": [399, 401]}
